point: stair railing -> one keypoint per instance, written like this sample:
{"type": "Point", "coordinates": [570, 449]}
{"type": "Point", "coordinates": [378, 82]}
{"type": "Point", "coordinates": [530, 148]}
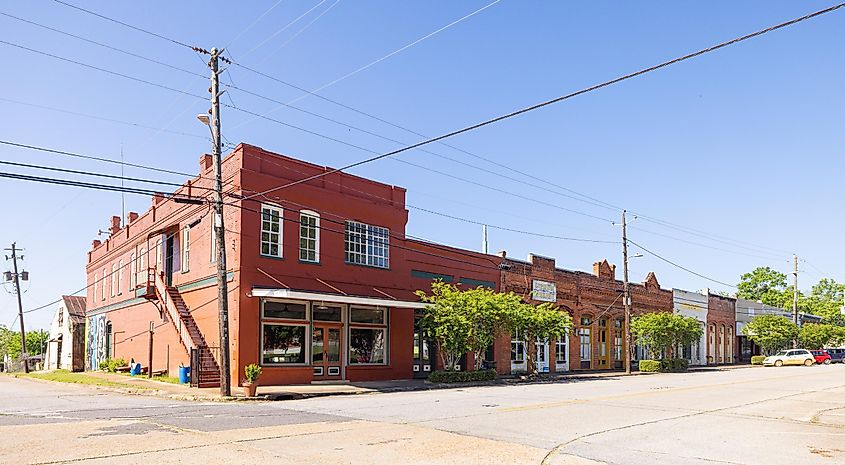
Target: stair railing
{"type": "Point", "coordinates": [172, 311]}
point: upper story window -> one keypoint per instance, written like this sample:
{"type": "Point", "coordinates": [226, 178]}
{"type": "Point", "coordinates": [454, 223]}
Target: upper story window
{"type": "Point", "coordinates": [186, 249]}
{"type": "Point", "coordinates": [367, 244]}
{"type": "Point", "coordinates": [120, 277]}
{"type": "Point", "coordinates": [271, 231]}
{"type": "Point", "coordinates": [105, 280]}
{"type": "Point", "coordinates": [94, 294]}
{"type": "Point", "coordinates": [141, 278]}
{"type": "Point", "coordinates": [113, 279]}
{"type": "Point", "coordinates": [61, 317]}
{"type": "Point", "coordinates": [133, 270]}
{"type": "Point", "coordinates": [309, 236]}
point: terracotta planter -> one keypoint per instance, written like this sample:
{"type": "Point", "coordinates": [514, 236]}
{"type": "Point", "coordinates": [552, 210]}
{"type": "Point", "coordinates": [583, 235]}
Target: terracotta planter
{"type": "Point", "coordinates": [249, 389]}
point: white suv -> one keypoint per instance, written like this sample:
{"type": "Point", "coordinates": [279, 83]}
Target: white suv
{"type": "Point", "coordinates": [790, 357]}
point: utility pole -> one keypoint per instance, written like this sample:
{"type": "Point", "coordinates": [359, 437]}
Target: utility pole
{"type": "Point", "coordinates": [16, 275]}
{"type": "Point", "coordinates": [795, 289]}
{"type": "Point", "coordinates": [150, 366]}
{"type": "Point", "coordinates": [484, 238]}
{"type": "Point", "coordinates": [626, 294]}
{"type": "Point", "coordinates": [219, 230]}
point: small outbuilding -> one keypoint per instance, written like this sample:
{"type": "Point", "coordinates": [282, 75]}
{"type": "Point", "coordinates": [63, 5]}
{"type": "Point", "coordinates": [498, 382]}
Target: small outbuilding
{"type": "Point", "coordinates": [66, 347]}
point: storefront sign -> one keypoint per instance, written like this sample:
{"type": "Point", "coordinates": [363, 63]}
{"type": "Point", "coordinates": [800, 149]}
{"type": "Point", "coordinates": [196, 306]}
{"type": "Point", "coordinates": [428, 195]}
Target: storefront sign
{"type": "Point", "coordinates": [544, 291]}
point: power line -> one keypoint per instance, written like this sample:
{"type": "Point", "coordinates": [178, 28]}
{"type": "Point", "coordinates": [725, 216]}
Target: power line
{"type": "Point", "coordinates": [101, 118]}
{"type": "Point", "coordinates": [259, 18]}
{"type": "Point", "coordinates": [569, 95]}
{"type": "Point", "coordinates": [106, 187]}
{"type": "Point", "coordinates": [101, 175]}
{"type": "Point", "coordinates": [772, 257]}
{"type": "Point", "coordinates": [680, 266]}
{"type": "Point", "coordinates": [385, 57]}
{"type": "Point", "coordinates": [284, 28]}
{"type": "Point", "coordinates": [123, 24]}
{"type": "Point", "coordinates": [101, 159]}
{"type": "Point", "coordinates": [100, 44]}
{"type": "Point", "coordinates": [300, 31]}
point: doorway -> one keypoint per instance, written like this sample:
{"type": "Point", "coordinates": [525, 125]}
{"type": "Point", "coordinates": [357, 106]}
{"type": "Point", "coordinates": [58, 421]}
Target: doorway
{"type": "Point", "coordinates": [603, 358]}
{"type": "Point", "coordinates": [326, 352]}
{"type": "Point", "coordinates": [423, 351]}
{"type": "Point", "coordinates": [542, 347]}
{"type": "Point", "coordinates": [168, 259]}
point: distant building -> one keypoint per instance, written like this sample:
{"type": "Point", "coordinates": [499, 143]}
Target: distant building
{"type": "Point", "coordinates": [693, 305]}
{"type": "Point", "coordinates": [721, 326]}
{"type": "Point", "coordinates": [66, 346]}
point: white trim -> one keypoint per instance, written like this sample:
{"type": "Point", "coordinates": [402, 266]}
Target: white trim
{"type": "Point", "coordinates": [341, 299]}
{"type": "Point", "coordinates": [316, 217]}
{"type": "Point", "coordinates": [270, 209]}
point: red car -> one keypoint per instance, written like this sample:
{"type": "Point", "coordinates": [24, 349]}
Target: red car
{"type": "Point", "coordinates": [821, 356]}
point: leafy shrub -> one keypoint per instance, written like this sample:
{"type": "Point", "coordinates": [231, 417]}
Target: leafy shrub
{"type": "Point", "coordinates": [672, 365]}
{"type": "Point", "coordinates": [104, 365]}
{"type": "Point", "coordinates": [252, 372]}
{"type": "Point", "coordinates": [650, 366]}
{"type": "Point", "coordinates": [113, 365]}
{"type": "Point", "coordinates": [757, 359]}
{"type": "Point", "coordinates": [461, 376]}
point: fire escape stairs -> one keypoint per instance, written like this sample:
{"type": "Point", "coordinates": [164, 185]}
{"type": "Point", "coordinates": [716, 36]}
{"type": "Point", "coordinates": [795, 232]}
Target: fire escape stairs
{"type": "Point", "coordinates": [171, 302]}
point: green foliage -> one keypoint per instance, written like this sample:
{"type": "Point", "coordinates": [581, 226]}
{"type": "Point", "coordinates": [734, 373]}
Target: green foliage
{"type": "Point", "coordinates": [471, 320]}
{"type": "Point", "coordinates": [251, 373]}
{"type": "Point", "coordinates": [770, 332]}
{"type": "Point", "coordinates": [664, 332]}
{"type": "Point", "coordinates": [818, 336]}
{"type": "Point", "coordinates": [461, 376]}
{"type": "Point", "coordinates": [114, 364]}
{"type": "Point", "coordinates": [757, 359]}
{"type": "Point", "coordinates": [766, 285]}
{"type": "Point", "coordinates": [668, 365]}
{"type": "Point", "coordinates": [10, 342]}
{"type": "Point", "coordinates": [104, 365]}
{"type": "Point", "coordinates": [650, 366]}
{"type": "Point", "coordinates": [825, 300]}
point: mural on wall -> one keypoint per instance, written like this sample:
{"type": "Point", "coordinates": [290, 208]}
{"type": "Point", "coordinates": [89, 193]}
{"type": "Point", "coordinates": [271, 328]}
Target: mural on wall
{"type": "Point", "coordinates": [96, 343]}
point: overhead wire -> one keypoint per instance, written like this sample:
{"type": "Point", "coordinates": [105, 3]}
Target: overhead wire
{"type": "Point", "coordinates": [571, 94]}
{"type": "Point", "coordinates": [300, 31]}
{"type": "Point", "coordinates": [284, 28]}
{"type": "Point", "coordinates": [680, 266]}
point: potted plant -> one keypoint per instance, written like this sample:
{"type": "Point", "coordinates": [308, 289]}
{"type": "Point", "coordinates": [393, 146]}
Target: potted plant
{"type": "Point", "coordinates": [251, 374]}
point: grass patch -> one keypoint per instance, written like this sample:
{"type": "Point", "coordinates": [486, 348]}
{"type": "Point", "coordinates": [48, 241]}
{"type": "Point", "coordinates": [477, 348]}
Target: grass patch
{"type": "Point", "coordinates": [64, 376]}
{"type": "Point", "coordinates": [166, 379]}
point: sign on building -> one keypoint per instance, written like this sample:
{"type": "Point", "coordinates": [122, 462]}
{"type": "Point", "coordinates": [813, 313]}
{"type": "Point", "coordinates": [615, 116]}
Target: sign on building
{"type": "Point", "coordinates": [544, 291]}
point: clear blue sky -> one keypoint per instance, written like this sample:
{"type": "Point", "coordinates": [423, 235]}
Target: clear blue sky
{"type": "Point", "coordinates": [744, 143]}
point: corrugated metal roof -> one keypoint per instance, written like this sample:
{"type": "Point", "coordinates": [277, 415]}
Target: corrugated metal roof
{"type": "Point", "coordinates": [75, 306]}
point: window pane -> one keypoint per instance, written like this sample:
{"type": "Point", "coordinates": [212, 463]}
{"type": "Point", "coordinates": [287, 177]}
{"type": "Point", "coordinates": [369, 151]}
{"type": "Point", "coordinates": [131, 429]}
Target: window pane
{"type": "Point", "coordinates": [286, 310]}
{"type": "Point", "coordinates": [325, 313]}
{"type": "Point", "coordinates": [366, 345]}
{"type": "Point", "coordinates": [366, 315]}
{"type": "Point", "coordinates": [283, 344]}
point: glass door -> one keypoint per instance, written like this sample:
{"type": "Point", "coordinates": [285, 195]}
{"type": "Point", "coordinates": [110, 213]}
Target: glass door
{"type": "Point", "coordinates": [423, 352]}
{"type": "Point", "coordinates": [325, 352]}
{"type": "Point", "coordinates": [603, 359]}
{"type": "Point", "coordinates": [542, 347]}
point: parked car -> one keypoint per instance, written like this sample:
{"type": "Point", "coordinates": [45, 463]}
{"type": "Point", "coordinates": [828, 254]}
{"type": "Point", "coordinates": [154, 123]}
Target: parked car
{"type": "Point", "coordinates": [836, 355]}
{"type": "Point", "coordinates": [821, 356]}
{"type": "Point", "coordinates": [790, 357]}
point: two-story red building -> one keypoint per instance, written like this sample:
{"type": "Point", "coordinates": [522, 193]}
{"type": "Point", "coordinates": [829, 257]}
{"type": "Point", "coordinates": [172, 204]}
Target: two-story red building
{"type": "Point", "coordinates": [321, 277]}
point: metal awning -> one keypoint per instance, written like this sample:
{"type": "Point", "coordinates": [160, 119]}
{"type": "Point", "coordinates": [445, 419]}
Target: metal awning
{"type": "Point", "coordinates": [336, 298]}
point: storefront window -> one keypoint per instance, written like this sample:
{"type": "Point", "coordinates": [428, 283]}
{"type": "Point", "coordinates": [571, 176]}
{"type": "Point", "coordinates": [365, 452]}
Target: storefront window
{"type": "Point", "coordinates": [285, 310]}
{"type": "Point", "coordinates": [517, 348]}
{"type": "Point", "coordinates": [325, 313]}
{"type": "Point", "coordinates": [283, 344]}
{"type": "Point", "coordinates": [367, 315]}
{"type": "Point", "coordinates": [560, 351]}
{"type": "Point", "coordinates": [367, 345]}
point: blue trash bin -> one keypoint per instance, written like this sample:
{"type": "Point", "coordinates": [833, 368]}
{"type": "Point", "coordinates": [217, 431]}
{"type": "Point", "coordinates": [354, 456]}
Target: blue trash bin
{"type": "Point", "coordinates": [184, 375]}
{"type": "Point", "coordinates": [135, 370]}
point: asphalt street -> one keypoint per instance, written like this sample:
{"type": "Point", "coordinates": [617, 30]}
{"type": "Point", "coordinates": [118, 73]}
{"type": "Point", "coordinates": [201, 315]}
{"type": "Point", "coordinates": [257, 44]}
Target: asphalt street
{"type": "Point", "coordinates": [788, 415]}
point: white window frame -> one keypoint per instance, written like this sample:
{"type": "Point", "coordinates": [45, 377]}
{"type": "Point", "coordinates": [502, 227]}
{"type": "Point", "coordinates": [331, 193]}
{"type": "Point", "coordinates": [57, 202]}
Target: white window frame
{"type": "Point", "coordinates": [316, 216]}
{"type": "Point", "coordinates": [141, 266]}
{"type": "Point", "coordinates": [133, 272]}
{"type": "Point", "coordinates": [361, 240]}
{"type": "Point", "coordinates": [280, 212]}
{"type": "Point", "coordinates": [186, 249]}
{"type": "Point", "coordinates": [305, 322]}
{"type": "Point", "coordinates": [384, 326]}
{"type": "Point", "coordinates": [105, 280]}
{"type": "Point", "coordinates": [120, 277]}
{"type": "Point", "coordinates": [113, 279]}
{"type": "Point", "coordinates": [94, 295]}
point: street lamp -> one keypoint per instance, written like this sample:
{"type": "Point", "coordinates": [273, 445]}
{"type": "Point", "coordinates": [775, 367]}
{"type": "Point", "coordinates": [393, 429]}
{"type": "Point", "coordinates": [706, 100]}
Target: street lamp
{"type": "Point", "coordinates": [204, 119]}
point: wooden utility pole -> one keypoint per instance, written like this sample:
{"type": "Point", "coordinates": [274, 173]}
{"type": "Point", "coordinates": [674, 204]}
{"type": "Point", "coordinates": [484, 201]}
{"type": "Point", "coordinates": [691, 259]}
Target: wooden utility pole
{"type": "Point", "coordinates": [219, 229]}
{"type": "Point", "coordinates": [17, 276]}
{"type": "Point", "coordinates": [795, 289]}
{"type": "Point", "coordinates": [150, 366]}
{"type": "Point", "coordinates": [626, 294]}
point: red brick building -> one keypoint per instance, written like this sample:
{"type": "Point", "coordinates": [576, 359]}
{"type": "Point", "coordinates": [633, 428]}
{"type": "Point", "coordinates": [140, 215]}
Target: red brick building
{"type": "Point", "coordinates": [721, 321]}
{"type": "Point", "coordinates": [595, 303]}
{"type": "Point", "coordinates": [321, 277]}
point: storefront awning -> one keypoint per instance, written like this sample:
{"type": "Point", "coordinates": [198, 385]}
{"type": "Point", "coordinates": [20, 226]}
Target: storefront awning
{"type": "Point", "coordinates": [336, 298]}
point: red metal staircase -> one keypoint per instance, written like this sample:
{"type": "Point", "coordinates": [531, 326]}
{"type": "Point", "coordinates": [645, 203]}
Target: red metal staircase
{"type": "Point", "coordinates": [205, 370]}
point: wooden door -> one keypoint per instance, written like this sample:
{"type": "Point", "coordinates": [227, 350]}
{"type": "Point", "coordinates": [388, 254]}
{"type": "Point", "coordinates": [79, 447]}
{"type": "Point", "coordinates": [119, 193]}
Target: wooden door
{"type": "Point", "coordinates": [326, 349]}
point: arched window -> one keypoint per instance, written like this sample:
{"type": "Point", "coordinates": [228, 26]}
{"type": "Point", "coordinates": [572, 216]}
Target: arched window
{"type": "Point", "coordinates": [721, 346]}
{"type": "Point", "coordinates": [730, 349]}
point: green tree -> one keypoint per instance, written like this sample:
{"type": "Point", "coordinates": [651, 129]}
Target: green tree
{"type": "Point", "coordinates": [826, 300]}
{"type": "Point", "coordinates": [446, 320]}
{"type": "Point", "coordinates": [819, 336]}
{"type": "Point", "coordinates": [766, 285]}
{"type": "Point", "coordinates": [665, 333]}
{"type": "Point", "coordinates": [771, 332]}
{"type": "Point", "coordinates": [544, 321]}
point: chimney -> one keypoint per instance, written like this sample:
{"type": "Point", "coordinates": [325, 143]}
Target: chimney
{"type": "Point", "coordinates": [115, 224]}
{"type": "Point", "coordinates": [604, 270]}
{"type": "Point", "coordinates": [131, 217]}
{"type": "Point", "coordinates": [95, 243]}
{"type": "Point", "coordinates": [206, 161]}
{"type": "Point", "coordinates": [158, 198]}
